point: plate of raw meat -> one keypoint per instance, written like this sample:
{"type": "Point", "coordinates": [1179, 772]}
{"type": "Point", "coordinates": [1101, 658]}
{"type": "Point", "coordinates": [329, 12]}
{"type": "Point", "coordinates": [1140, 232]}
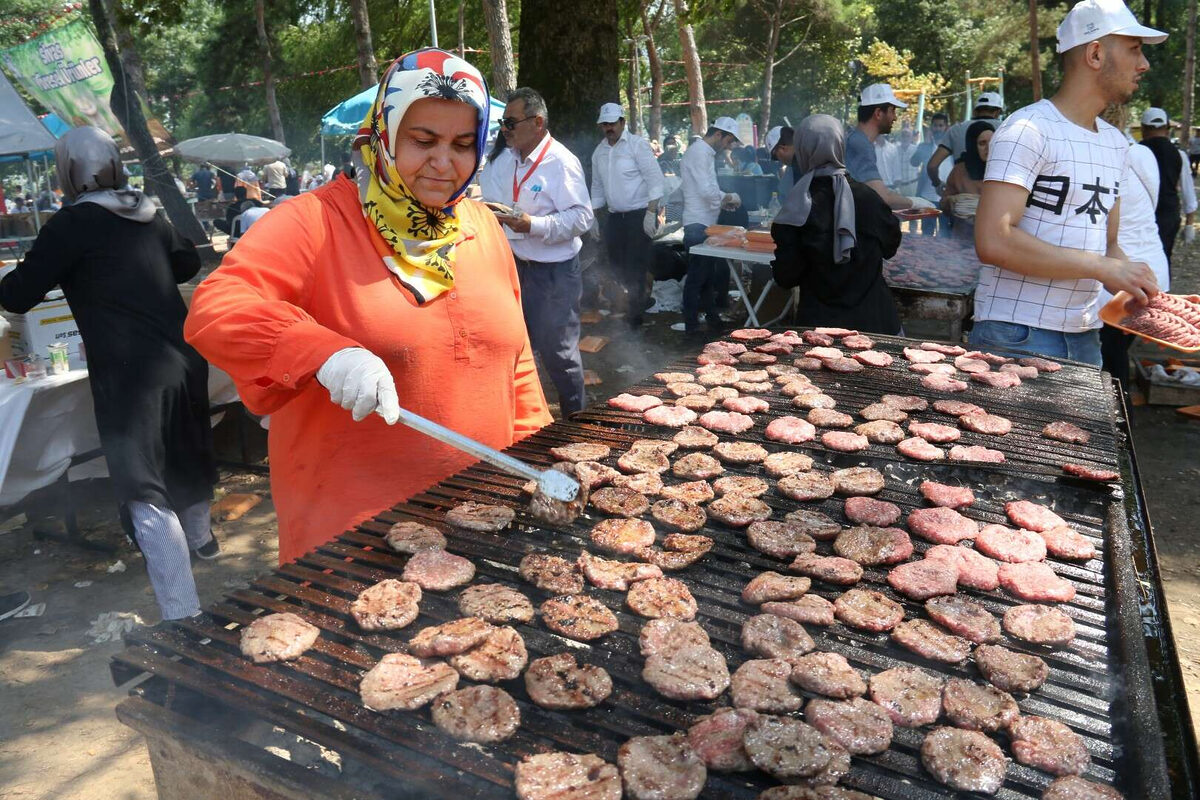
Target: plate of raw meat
{"type": "Point", "coordinates": [1171, 320]}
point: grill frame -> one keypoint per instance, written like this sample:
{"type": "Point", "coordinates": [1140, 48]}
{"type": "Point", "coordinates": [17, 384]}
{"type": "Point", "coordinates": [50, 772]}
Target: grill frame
{"type": "Point", "coordinates": [321, 583]}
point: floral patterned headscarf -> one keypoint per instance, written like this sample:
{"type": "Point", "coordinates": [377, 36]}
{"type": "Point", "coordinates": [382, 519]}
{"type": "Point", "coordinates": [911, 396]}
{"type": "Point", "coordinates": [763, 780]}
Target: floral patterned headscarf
{"type": "Point", "coordinates": [415, 242]}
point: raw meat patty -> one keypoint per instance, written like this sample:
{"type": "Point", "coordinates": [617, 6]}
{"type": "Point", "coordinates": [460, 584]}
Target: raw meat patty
{"type": "Point", "coordinates": [1049, 745]}
{"type": "Point", "coordinates": [697, 466]}
{"type": "Point", "coordinates": [698, 403]}
{"type": "Point", "coordinates": [1024, 373]}
{"type": "Point", "coordinates": [644, 460]}
{"type": "Point", "coordinates": [956, 408]}
{"type": "Point", "coordinates": [387, 606]}
{"type": "Point", "coordinates": [786, 463]}
{"type": "Point", "coordinates": [647, 483]}
{"type": "Point", "coordinates": [674, 377]}
{"type": "Point", "coordinates": [1065, 542]}
{"type": "Point", "coordinates": [581, 451]}
{"type": "Point", "coordinates": [688, 673]}
{"type": "Point", "coordinates": [806, 486]}
{"type": "Point", "coordinates": [941, 494]}
{"type": "Point", "coordinates": [277, 637]}
{"type": "Point", "coordinates": [868, 610]}
{"type": "Point", "coordinates": [768, 586]}
{"type": "Point", "coordinates": [771, 636]}
{"type": "Point", "coordinates": [911, 697]}
{"type": "Point", "coordinates": [717, 739]}
{"type": "Point", "coordinates": [1031, 516]}
{"type": "Point", "coordinates": [809, 609]}
{"type": "Point", "coordinates": [477, 714]}
{"type": "Point", "coordinates": [920, 450]}
{"type": "Point", "coordinates": [829, 674]}
{"type": "Point", "coordinates": [972, 365]}
{"type": "Point", "coordinates": [750, 334]}
{"type": "Point", "coordinates": [824, 353]}
{"type": "Point", "coordinates": [738, 511]}
{"type": "Point", "coordinates": [831, 569]}
{"type": "Point", "coordinates": [881, 432]}
{"type": "Point", "coordinates": [922, 356]}
{"type": "Point", "coordinates": [1036, 582]}
{"type": "Point", "coordinates": [437, 570]}
{"type": "Point", "coordinates": [592, 473]}
{"type": "Point", "coordinates": [924, 579]}
{"type": "Point", "coordinates": [726, 422]}
{"type": "Point", "coordinates": [984, 455]}
{"type": "Point", "coordinates": [579, 617]}
{"type": "Point", "coordinates": [762, 685]}
{"type": "Point", "coordinates": [871, 546]}
{"type": "Point", "coordinates": [566, 776]}
{"type": "Point", "coordinates": [1009, 670]}
{"type": "Point", "coordinates": [745, 485]}
{"type": "Point", "coordinates": [844, 441]}
{"type": "Point", "coordinates": [634, 402]}
{"type": "Point", "coordinates": [556, 512]}
{"type": "Point", "coordinates": [857, 341]}
{"type": "Point", "coordinates": [1066, 432]}
{"type": "Point", "coordinates": [938, 382]}
{"type": "Point", "coordinates": [658, 445]}
{"type": "Point", "coordinates": [559, 682]}
{"type": "Point", "coordinates": [661, 597]}
{"type": "Point", "coordinates": [828, 418]}
{"type": "Point", "coordinates": [790, 430]}
{"type": "Point", "coordinates": [857, 481]}
{"type": "Point", "coordinates": [661, 768]}
{"type": "Point", "coordinates": [858, 725]}
{"type": "Point", "coordinates": [695, 492]}
{"type": "Point", "coordinates": [780, 539]}
{"type": "Point", "coordinates": [814, 523]}
{"type": "Point", "coordinates": [413, 537]}
{"type": "Point", "coordinates": [666, 635]}
{"type": "Point", "coordinates": [552, 573]}
{"type": "Point", "coordinates": [1072, 787]}
{"type": "Point", "coordinates": [978, 706]}
{"type": "Point", "coordinates": [941, 525]}
{"type": "Point", "coordinates": [815, 338]}
{"type": "Point", "coordinates": [625, 536]}
{"type": "Point", "coordinates": [450, 638]}
{"type": "Point", "coordinates": [480, 516]}
{"type": "Point", "coordinates": [740, 452]}
{"type": "Point", "coordinates": [620, 502]}
{"type": "Point", "coordinates": [869, 511]}
{"type": "Point", "coordinates": [812, 399]}
{"type": "Point", "coordinates": [986, 423]}
{"type": "Point", "coordinates": [934, 432]}
{"type": "Point", "coordinates": [669, 416]}
{"type": "Point", "coordinates": [404, 682]}
{"type": "Point", "coordinates": [842, 365]}
{"type": "Point", "coordinates": [686, 389]}
{"type": "Point", "coordinates": [883, 411]}
{"type": "Point", "coordinates": [944, 349]}
{"type": "Point", "coordinates": [975, 571]}
{"type": "Point", "coordinates": [1040, 364]}
{"type": "Point", "coordinates": [747, 405]}
{"type": "Point", "coordinates": [905, 402]}
{"type": "Point", "coordinates": [996, 380]}
{"type": "Point", "coordinates": [837, 333]}
{"type": "Point", "coordinates": [787, 748]}
{"type": "Point", "coordinates": [929, 641]}
{"type": "Point", "coordinates": [990, 358]}
{"type": "Point", "coordinates": [679, 515]}
{"type": "Point", "coordinates": [495, 603]}
{"type": "Point", "coordinates": [873, 358]}
{"type": "Point", "coordinates": [1014, 546]}
{"type": "Point", "coordinates": [1091, 473]}
{"type": "Point", "coordinates": [930, 369]}
{"type": "Point", "coordinates": [1040, 625]}
{"type": "Point", "coordinates": [964, 760]}
{"type": "Point", "coordinates": [615, 575]}
{"type": "Point", "coordinates": [964, 617]}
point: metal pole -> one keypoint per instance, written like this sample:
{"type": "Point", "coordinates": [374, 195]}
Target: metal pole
{"type": "Point", "coordinates": [433, 23]}
{"type": "Point", "coordinates": [921, 118]}
{"type": "Point", "coordinates": [967, 112]}
{"type": "Point", "coordinates": [1002, 84]}
{"type": "Point", "coordinates": [37, 218]}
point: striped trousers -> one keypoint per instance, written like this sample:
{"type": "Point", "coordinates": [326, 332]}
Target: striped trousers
{"type": "Point", "coordinates": [166, 540]}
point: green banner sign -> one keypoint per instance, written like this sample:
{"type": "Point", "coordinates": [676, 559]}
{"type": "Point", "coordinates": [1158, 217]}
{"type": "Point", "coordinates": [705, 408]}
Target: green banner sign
{"type": "Point", "coordinates": [65, 70]}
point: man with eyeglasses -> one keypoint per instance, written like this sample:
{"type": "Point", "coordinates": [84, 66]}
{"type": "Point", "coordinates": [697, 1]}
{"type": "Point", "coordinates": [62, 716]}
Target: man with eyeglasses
{"type": "Point", "coordinates": [626, 179]}
{"type": "Point", "coordinates": [537, 190]}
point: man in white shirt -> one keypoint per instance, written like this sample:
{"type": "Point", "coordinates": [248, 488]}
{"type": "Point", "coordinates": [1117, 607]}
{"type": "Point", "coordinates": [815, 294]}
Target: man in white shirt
{"type": "Point", "coordinates": [275, 177]}
{"type": "Point", "coordinates": [1048, 220]}
{"type": "Point", "coordinates": [626, 179]}
{"type": "Point", "coordinates": [988, 108]}
{"type": "Point", "coordinates": [542, 182]}
{"type": "Point", "coordinates": [779, 146]}
{"type": "Point", "coordinates": [702, 203]}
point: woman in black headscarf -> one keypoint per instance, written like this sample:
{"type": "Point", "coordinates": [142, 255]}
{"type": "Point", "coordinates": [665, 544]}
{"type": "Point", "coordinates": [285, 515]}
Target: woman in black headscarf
{"type": "Point", "coordinates": [118, 262]}
{"type": "Point", "coordinates": [832, 235]}
{"type": "Point", "coordinates": [960, 196]}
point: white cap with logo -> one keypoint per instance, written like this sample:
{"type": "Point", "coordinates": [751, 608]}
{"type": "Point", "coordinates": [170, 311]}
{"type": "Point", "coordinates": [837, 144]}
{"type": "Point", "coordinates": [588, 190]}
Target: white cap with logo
{"type": "Point", "coordinates": [1090, 20]}
{"type": "Point", "coordinates": [610, 112]}
{"type": "Point", "coordinates": [879, 93]}
{"type": "Point", "coordinates": [989, 100]}
{"type": "Point", "coordinates": [1155, 118]}
{"type": "Point", "coordinates": [773, 138]}
{"type": "Point", "coordinates": [727, 125]}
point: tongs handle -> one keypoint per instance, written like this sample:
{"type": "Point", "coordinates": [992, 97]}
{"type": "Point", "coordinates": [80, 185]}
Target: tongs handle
{"type": "Point", "coordinates": [468, 445]}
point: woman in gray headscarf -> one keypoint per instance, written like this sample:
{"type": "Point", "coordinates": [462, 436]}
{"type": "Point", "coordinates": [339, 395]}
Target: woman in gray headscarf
{"type": "Point", "coordinates": [832, 235]}
{"type": "Point", "coordinates": [118, 263]}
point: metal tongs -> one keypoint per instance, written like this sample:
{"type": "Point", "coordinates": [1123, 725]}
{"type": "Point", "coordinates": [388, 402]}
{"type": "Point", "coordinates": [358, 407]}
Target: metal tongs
{"type": "Point", "coordinates": [552, 483]}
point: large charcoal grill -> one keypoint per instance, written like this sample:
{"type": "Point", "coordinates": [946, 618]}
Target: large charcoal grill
{"type": "Point", "coordinates": [1110, 685]}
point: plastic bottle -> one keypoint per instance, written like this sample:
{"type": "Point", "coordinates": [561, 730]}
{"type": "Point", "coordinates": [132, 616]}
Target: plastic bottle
{"type": "Point", "coordinates": [773, 207]}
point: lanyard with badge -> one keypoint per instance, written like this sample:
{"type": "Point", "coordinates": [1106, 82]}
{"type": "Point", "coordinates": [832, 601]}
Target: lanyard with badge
{"type": "Point", "coordinates": [516, 189]}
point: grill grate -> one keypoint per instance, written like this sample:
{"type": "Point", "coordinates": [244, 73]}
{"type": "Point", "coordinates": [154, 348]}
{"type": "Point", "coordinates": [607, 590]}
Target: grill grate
{"type": "Point", "coordinates": [316, 696]}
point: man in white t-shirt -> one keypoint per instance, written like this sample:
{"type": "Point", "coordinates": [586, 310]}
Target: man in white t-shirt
{"type": "Point", "coordinates": [1046, 229]}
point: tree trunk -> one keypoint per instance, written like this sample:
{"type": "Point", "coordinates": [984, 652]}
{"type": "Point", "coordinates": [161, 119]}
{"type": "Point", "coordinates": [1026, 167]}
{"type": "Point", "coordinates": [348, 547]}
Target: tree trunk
{"type": "Point", "coordinates": [158, 178]}
{"type": "Point", "coordinates": [135, 71]}
{"type": "Point", "coordinates": [1035, 56]}
{"type": "Point", "coordinates": [368, 68]}
{"type": "Point", "coordinates": [264, 46]}
{"type": "Point", "coordinates": [504, 75]}
{"type": "Point", "coordinates": [634, 89]}
{"type": "Point", "coordinates": [776, 23]}
{"type": "Point", "coordinates": [1189, 78]}
{"type": "Point", "coordinates": [656, 78]}
{"type": "Point", "coordinates": [559, 48]}
{"type": "Point", "coordinates": [462, 28]}
{"type": "Point", "coordinates": [691, 67]}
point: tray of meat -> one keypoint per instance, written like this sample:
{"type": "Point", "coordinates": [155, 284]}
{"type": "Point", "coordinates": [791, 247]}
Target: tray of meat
{"type": "Point", "coordinates": [926, 262]}
{"type": "Point", "coordinates": [917, 213]}
{"type": "Point", "coordinates": [1170, 320]}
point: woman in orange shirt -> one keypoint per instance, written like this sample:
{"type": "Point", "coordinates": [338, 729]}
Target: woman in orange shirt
{"type": "Point", "coordinates": [342, 305]}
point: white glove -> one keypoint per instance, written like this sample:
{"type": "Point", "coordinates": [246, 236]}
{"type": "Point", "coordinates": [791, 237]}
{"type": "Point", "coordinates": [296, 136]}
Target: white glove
{"type": "Point", "coordinates": [650, 223]}
{"type": "Point", "coordinates": [1189, 234]}
{"type": "Point", "coordinates": [920, 203]}
{"type": "Point", "coordinates": [593, 230]}
{"type": "Point", "coordinates": [360, 382]}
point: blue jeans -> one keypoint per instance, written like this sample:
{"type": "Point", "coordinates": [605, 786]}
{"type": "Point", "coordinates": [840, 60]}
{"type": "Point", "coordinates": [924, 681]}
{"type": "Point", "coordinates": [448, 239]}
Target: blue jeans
{"type": "Point", "coordinates": [1083, 347]}
{"type": "Point", "coordinates": [550, 294]}
{"type": "Point", "coordinates": [701, 286]}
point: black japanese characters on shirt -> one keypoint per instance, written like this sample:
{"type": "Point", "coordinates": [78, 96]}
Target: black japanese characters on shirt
{"type": "Point", "coordinates": [1050, 193]}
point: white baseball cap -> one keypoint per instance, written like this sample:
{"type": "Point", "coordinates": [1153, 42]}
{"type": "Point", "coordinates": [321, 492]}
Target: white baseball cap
{"type": "Point", "coordinates": [879, 93]}
{"type": "Point", "coordinates": [773, 136]}
{"type": "Point", "coordinates": [1155, 118]}
{"type": "Point", "coordinates": [610, 112]}
{"type": "Point", "coordinates": [728, 125]}
{"type": "Point", "coordinates": [989, 100]}
{"type": "Point", "coordinates": [1090, 20]}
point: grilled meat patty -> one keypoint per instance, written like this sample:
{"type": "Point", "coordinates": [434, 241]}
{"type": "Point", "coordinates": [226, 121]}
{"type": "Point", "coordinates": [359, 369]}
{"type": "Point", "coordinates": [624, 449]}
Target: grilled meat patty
{"type": "Point", "coordinates": [661, 597]}
{"type": "Point", "coordinates": [964, 618]}
{"type": "Point", "coordinates": [869, 511]}
{"type": "Point", "coordinates": [912, 697]}
{"type": "Point", "coordinates": [763, 685]}
{"type": "Point", "coordinates": [477, 714]}
{"type": "Point", "coordinates": [578, 617]}
{"type": "Point", "coordinates": [500, 657]}
{"type": "Point", "coordinates": [964, 760]}
{"type": "Point", "coordinates": [768, 586]}
{"type": "Point", "coordinates": [450, 638]}
{"type": "Point", "coordinates": [718, 739]}
{"type": "Point", "coordinates": [978, 706]}
{"type": "Point", "coordinates": [665, 635]}
{"type": "Point", "coordinates": [437, 570]}
{"type": "Point", "coordinates": [1009, 670]}
{"type": "Point", "coordinates": [277, 637]}
{"type": "Point", "coordinates": [387, 606]}
{"type": "Point", "coordinates": [661, 768]}
{"type": "Point", "coordinates": [696, 672]}
{"type": "Point", "coordinates": [495, 603]}
{"type": "Point", "coordinates": [1040, 624]}
{"type": "Point", "coordinates": [829, 674]}
{"type": "Point", "coordinates": [559, 682]}
{"type": "Point", "coordinates": [615, 575]}
{"type": "Point", "coordinates": [856, 724]}
{"type": "Point", "coordinates": [787, 748]}
{"type": "Point", "coordinates": [929, 641]}
{"type": "Point", "coordinates": [566, 776]}
{"type": "Point", "coordinates": [1048, 745]}
{"type": "Point", "coordinates": [413, 537]}
{"type": "Point", "coordinates": [480, 516]}
{"type": "Point", "coordinates": [772, 636]}
{"type": "Point", "coordinates": [870, 546]}
{"type": "Point", "coordinates": [625, 536]}
{"type": "Point", "coordinates": [809, 609]}
{"type": "Point", "coordinates": [780, 539]}
{"type": "Point", "coordinates": [400, 681]}
{"type": "Point", "coordinates": [552, 573]}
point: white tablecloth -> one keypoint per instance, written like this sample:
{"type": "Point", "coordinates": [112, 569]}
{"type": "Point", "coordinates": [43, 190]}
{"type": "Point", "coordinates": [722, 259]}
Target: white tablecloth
{"type": "Point", "coordinates": [46, 422]}
{"type": "Point", "coordinates": [735, 256]}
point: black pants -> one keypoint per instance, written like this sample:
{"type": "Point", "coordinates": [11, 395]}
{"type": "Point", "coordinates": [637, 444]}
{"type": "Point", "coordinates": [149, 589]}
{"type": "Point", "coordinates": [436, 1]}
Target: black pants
{"type": "Point", "coordinates": [629, 256]}
{"type": "Point", "coordinates": [1168, 229]}
{"type": "Point", "coordinates": [1114, 350]}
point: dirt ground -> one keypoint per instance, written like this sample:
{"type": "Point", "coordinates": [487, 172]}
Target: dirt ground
{"type": "Point", "coordinates": [59, 737]}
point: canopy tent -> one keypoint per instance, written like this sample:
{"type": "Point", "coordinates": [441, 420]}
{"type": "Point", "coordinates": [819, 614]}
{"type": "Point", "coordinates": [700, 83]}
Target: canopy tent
{"type": "Point", "coordinates": [22, 135]}
{"type": "Point", "coordinates": [232, 149]}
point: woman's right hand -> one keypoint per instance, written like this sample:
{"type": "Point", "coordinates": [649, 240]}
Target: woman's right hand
{"type": "Point", "coordinates": [360, 382]}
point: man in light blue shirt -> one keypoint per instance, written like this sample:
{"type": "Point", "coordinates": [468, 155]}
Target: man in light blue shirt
{"type": "Point", "coordinates": [876, 114]}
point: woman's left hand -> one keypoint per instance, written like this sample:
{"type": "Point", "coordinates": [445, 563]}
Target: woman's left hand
{"type": "Point", "coordinates": [519, 222]}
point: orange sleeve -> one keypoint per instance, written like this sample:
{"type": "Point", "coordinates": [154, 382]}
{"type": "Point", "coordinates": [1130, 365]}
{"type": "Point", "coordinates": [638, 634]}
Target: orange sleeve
{"type": "Point", "coordinates": [248, 318]}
